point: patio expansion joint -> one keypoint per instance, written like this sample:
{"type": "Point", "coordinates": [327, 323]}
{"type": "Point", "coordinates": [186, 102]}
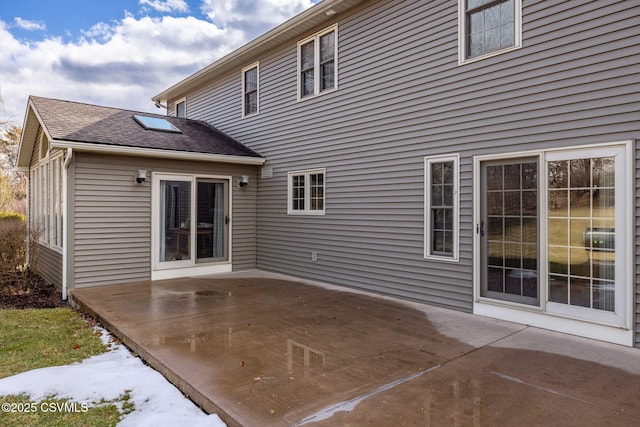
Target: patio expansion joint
{"type": "Point", "coordinates": [349, 405]}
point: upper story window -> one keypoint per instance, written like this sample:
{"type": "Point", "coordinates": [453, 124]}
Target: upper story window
{"type": "Point", "coordinates": [306, 192]}
{"type": "Point", "coordinates": [317, 63]}
{"type": "Point", "coordinates": [488, 27]}
{"type": "Point", "coordinates": [250, 76]}
{"type": "Point", "coordinates": [181, 108]}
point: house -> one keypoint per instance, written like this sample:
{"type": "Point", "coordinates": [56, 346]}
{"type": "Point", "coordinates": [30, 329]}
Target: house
{"type": "Point", "coordinates": [475, 155]}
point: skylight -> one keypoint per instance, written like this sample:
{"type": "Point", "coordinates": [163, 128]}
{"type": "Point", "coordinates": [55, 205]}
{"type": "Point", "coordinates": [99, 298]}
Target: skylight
{"type": "Point", "coordinates": [156, 123]}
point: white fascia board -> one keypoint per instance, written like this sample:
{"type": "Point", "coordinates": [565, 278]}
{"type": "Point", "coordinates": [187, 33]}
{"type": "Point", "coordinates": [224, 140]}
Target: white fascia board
{"type": "Point", "coordinates": [29, 133]}
{"type": "Point", "coordinates": [157, 153]}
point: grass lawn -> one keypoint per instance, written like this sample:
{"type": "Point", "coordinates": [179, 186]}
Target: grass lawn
{"type": "Point", "coordinates": [38, 338]}
{"type": "Point", "coordinates": [53, 412]}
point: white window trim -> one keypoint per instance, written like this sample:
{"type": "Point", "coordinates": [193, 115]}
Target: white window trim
{"type": "Point", "coordinates": [255, 65]}
{"type": "Point", "coordinates": [175, 106]}
{"type": "Point", "coordinates": [455, 158]}
{"type": "Point", "coordinates": [46, 195]}
{"type": "Point", "coordinates": [316, 76]}
{"type": "Point", "coordinates": [462, 34]}
{"type": "Point", "coordinates": [540, 316]}
{"type": "Point", "coordinates": [307, 192]}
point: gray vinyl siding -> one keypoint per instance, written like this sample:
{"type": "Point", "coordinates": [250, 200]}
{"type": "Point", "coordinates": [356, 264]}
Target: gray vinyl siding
{"type": "Point", "coordinates": [402, 96]}
{"type": "Point", "coordinates": [112, 216]}
{"type": "Point", "coordinates": [47, 263]}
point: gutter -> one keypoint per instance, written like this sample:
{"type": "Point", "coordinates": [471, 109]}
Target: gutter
{"type": "Point", "coordinates": [65, 216]}
{"type": "Point", "coordinates": [157, 153]}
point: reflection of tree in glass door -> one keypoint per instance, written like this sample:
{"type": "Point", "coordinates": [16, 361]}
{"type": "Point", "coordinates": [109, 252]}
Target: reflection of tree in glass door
{"type": "Point", "coordinates": [581, 228]}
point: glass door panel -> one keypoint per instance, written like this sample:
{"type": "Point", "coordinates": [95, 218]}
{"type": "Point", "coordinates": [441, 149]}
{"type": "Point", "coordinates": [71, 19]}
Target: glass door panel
{"type": "Point", "coordinates": [212, 219]}
{"type": "Point", "coordinates": [509, 230]}
{"type": "Point", "coordinates": [175, 221]}
{"type": "Point", "coordinates": [581, 232]}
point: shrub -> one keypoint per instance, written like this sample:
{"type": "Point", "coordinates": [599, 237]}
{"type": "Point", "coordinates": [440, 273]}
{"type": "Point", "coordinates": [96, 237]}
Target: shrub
{"type": "Point", "coordinates": [14, 274]}
{"type": "Point", "coordinates": [8, 216]}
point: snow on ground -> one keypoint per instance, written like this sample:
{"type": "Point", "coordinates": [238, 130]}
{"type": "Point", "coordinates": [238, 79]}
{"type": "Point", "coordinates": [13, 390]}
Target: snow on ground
{"type": "Point", "coordinates": [108, 376]}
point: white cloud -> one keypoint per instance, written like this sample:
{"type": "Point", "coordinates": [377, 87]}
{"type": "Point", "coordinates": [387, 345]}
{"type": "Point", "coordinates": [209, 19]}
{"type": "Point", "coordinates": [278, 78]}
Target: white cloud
{"type": "Point", "coordinates": [252, 16]}
{"type": "Point", "coordinates": [28, 25]}
{"type": "Point", "coordinates": [121, 66]}
{"type": "Point", "coordinates": [167, 5]}
{"type": "Point", "coordinates": [124, 63]}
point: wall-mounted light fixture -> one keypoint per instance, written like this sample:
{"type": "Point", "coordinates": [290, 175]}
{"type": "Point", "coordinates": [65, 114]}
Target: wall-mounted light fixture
{"type": "Point", "coordinates": [244, 181]}
{"type": "Point", "coordinates": [142, 176]}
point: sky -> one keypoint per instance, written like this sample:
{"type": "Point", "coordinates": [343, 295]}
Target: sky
{"type": "Point", "coordinates": [157, 403]}
{"type": "Point", "coordinates": [120, 53]}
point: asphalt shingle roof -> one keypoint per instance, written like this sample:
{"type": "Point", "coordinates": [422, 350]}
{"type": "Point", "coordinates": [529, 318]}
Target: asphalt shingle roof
{"type": "Point", "coordinates": [78, 122]}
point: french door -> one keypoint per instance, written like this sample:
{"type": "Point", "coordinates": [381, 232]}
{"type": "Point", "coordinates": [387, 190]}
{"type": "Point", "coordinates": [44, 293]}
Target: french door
{"type": "Point", "coordinates": [553, 230]}
{"type": "Point", "coordinates": [192, 221]}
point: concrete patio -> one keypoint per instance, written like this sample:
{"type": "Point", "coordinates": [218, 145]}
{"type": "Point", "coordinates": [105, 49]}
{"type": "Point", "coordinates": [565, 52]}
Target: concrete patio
{"type": "Point", "coordinates": [261, 349]}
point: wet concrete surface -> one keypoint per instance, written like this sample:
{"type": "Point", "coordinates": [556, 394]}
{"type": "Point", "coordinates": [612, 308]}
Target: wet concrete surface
{"type": "Point", "coordinates": [273, 351]}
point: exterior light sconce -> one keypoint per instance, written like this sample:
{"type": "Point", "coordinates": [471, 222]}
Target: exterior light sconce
{"type": "Point", "coordinates": [244, 181]}
{"type": "Point", "coordinates": [142, 176]}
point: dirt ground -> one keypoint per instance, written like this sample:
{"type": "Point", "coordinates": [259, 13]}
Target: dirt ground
{"type": "Point", "coordinates": [40, 294]}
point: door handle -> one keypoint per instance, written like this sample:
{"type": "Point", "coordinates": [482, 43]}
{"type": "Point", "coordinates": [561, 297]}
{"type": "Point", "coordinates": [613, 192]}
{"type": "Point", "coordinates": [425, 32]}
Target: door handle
{"type": "Point", "coordinates": [480, 228]}
{"type": "Point", "coordinates": [226, 219]}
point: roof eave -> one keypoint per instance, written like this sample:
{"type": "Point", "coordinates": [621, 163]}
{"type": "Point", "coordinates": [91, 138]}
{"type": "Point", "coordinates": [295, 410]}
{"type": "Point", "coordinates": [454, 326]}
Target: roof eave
{"type": "Point", "coordinates": [27, 142]}
{"type": "Point", "coordinates": [157, 153]}
{"type": "Point", "coordinates": [316, 15]}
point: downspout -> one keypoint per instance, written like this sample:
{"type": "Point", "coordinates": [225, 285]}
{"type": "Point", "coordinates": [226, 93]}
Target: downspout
{"type": "Point", "coordinates": [65, 220]}
{"type": "Point", "coordinates": [28, 224]}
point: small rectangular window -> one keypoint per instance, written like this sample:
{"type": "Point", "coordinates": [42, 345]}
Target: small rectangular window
{"type": "Point", "coordinates": [488, 27]}
{"type": "Point", "coordinates": [441, 207]}
{"type": "Point", "coordinates": [306, 192]}
{"type": "Point", "coordinates": [317, 63]}
{"type": "Point", "coordinates": [181, 108]}
{"type": "Point", "coordinates": [250, 83]}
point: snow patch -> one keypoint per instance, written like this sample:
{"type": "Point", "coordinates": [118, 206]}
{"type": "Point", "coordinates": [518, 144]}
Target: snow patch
{"type": "Point", "coordinates": [108, 376]}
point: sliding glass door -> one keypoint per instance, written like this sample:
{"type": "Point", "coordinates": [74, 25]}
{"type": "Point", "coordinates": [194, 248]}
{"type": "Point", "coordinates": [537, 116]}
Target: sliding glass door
{"type": "Point", "coordinates": [193, 220]}
{"type": "Point", "coordinates": [553, 233]}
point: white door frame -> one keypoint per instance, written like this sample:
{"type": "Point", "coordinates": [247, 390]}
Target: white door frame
{"type": "Point", "coordinates": [186, 268]}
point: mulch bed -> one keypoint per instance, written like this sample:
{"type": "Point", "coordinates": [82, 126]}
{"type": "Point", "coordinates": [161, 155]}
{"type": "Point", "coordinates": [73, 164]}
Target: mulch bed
{"type": "Point", "coordinates": [41, 294]}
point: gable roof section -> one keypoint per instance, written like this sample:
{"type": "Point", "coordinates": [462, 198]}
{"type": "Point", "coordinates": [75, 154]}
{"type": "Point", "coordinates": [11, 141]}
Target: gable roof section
{"type": "Point", "coordinates": [322, 13]}
{"type": "Point", "coordinates": [103, 129]}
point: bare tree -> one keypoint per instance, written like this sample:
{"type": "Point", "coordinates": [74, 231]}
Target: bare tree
{"type": "Point", "coordinates": [9, 140]}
